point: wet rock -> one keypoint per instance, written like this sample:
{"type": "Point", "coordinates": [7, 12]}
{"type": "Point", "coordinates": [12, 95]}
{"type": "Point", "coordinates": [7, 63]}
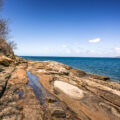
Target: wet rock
{"type": "Point", "coordinates": [100, 77]}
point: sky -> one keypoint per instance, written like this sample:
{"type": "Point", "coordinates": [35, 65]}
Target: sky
{"type": "Point", "coordinates": [78, 28]}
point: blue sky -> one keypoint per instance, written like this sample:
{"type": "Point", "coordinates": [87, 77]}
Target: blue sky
{"type": "Point", "coordinates": [82, 28]}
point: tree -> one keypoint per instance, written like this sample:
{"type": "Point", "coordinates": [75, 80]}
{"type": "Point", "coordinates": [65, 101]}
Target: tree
{"type": "Point", "coordinates": [3, 29]}
{"type": "Point", "coordinates": [12, 45]}
{"type": "Point", "coordinates": [6, 46]}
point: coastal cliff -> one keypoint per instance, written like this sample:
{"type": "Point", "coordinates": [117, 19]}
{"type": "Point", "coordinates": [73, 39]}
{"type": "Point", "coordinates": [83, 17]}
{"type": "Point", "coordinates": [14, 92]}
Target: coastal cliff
{"type": "Point", "coordinates": [48, 90]}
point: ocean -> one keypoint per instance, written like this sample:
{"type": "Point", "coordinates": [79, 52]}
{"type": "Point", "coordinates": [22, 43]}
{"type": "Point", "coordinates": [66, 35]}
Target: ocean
{"type": "Point", "coordinates": [102, 66]}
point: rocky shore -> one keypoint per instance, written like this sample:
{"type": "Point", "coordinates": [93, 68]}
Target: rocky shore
{"type": "Point", "coordinates": [48, 90]}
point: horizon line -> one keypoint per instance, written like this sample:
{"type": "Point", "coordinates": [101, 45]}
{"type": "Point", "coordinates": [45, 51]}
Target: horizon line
{"type": "Point", "coordinates": [68, 56]}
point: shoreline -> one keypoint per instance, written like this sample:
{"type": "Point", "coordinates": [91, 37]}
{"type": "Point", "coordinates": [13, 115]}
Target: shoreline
{"type": "Point", "coordinates": [87, 96]}
{"type": "Point", "coordinates": [102, 69]}
{"type": "Point", "coordinates": [83, 83]}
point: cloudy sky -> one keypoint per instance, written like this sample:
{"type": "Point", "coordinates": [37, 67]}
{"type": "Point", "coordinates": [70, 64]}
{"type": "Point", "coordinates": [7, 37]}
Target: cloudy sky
{"type": "Point", "coordinates": [85, 28]}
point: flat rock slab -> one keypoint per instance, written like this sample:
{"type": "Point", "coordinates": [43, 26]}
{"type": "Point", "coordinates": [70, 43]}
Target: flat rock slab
{"type": "Point", "coordinates": [70, 90]}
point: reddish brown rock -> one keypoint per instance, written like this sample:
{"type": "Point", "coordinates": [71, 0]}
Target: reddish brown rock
{"type": "Point", "coordinates": [19, 76]}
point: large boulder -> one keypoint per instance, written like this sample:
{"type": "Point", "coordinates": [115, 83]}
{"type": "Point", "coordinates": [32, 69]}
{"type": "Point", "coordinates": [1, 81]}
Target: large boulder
{"type": "Point", "coordinates": [5, 61]}
{"type": "Point", "coordinates": [57, 67]}
{"type": "Point", "coordinates": [69, 89]}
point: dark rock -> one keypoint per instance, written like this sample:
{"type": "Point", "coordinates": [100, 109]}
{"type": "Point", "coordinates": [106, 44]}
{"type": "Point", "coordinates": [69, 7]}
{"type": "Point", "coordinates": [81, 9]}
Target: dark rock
{"type": "Point", "coordinates": [76, 72]}
{"type": "Point", "coordinates": [58, 112]}
{"type": "Point", "coordinates": [100, 77]}
{"type": "Point", "coordinates": [51, 99]}
{"type": "Point", "coordinates": [1, 68]}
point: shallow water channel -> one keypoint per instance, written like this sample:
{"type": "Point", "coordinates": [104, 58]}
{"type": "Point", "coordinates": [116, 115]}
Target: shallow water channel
{"type": "Point", "coordinates": [40, 92]}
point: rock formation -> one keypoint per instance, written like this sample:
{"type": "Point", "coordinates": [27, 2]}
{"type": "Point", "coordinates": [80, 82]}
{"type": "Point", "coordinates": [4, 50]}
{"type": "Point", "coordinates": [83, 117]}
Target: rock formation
{"type": "Point", "coordinates": [90, 97]}
{"type": "Point", "coordinates": [48, 90]}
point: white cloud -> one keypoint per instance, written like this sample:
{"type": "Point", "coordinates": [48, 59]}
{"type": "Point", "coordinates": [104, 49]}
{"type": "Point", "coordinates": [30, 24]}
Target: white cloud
{"type": "Point", "coordinates": [46, 48]}
{"type": "Point", "coordinates": [96, 40]}
{"type": "Point", "coordinates": [92, 51]}
{"type": "Point", "coordinates": [77, 51]}
{"type": "Point", "coordinates": [117, 49]}
{"type": "Point", "coordinates": [68, 51]}
{"type": "Point", "coordinates": [64, 46]}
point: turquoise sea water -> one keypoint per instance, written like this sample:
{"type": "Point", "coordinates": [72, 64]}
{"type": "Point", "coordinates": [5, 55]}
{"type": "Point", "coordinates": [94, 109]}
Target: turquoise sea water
{"type": "Point", "coordinates": [102, 66]}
